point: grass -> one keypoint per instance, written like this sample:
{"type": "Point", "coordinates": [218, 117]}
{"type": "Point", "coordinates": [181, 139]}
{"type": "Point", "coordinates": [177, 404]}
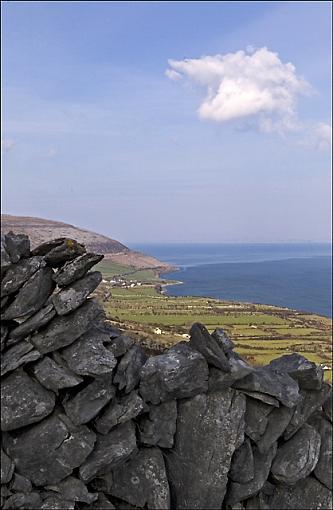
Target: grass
{"type": "Point", "coordinates": [277, 330]}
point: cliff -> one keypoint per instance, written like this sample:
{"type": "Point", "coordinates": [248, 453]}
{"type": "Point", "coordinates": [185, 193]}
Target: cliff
{"type": "Point", "coordinates": [89, 420]}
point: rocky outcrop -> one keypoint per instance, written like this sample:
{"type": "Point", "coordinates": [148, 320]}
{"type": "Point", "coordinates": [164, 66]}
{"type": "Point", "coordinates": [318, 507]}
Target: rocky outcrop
{"type": "Point", "coordinates": [89, 420]}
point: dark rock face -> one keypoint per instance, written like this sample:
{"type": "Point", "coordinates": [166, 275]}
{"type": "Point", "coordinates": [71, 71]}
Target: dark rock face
{"type": "Point", "coordinates": [198, 464]}
{"type": "Point", "coordinates": [110, 451]}
{"type": "Point", "coordinates": [297, 458]}
{"type": "Point", "coordinates": [76, 269]}
{"type": "Point", "coordinates": [67, 447]}
{"type": "Point", "coordinates": [308, 374]}
{"type": "Point", "coordinates": [90, 421]}
{"type": "Point", "coordinates": [143, 481]}
{"type": "Point", "coordinates": [23, 401]}
{"type": "Point", "coordinates": [88, 356]}
{"type": "Point", "coordinates": [70, 298]}
{"type": "Point", "coordinates": [159, 427]}
{"type": "Point", "coordinates": [32, 295]}
{"type": "Point", "coordinates": [180, 373]}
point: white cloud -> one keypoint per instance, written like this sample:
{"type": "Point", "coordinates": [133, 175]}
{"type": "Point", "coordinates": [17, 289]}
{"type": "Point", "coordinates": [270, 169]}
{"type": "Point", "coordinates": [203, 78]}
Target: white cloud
{"type": "Point", "coordinates": [6, 144]}
{"type": "Point", "coordinates": [254, 85]}
{"type": "Point", "coordinates": [51, 153]}
{"type": "Point", "coordinates": [173, 75]}
{"type": "Point", "coordinates": [323, 135]}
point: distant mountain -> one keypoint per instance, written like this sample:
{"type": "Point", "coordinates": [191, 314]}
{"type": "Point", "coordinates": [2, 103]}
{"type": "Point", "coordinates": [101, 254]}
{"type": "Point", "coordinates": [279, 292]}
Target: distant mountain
{"type": "Point", "coordinates": [40, 230]}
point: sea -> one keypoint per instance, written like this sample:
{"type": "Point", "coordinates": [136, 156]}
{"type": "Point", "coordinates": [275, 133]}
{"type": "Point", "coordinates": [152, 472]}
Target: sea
{"type": "Point", "coordinates": [292, 275]}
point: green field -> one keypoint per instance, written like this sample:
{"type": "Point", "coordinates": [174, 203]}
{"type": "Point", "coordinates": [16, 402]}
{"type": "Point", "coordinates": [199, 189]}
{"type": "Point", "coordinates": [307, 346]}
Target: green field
{"type": "Point", "coordinates": [261, 333]}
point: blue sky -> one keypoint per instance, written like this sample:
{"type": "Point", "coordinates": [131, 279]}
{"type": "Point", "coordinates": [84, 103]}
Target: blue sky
{"type": "Point", "coordinates": [169, 121]}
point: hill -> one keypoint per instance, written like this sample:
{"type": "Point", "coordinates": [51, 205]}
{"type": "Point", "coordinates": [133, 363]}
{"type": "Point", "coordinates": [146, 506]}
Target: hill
{"type": "Point", "coordinates": [40, 230]}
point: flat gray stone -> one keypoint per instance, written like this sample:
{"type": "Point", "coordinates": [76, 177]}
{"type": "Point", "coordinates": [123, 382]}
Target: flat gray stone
{"type": "Point", "coordinates": [89, 356]}
{"type": "Point", "coordinates": [308, 374]}
{"type": "Point", "coordinates": [142, 481]}
{"type": "Point", "coordinates": [120, 345]}
{"type": "Point", "coordinates": [6, 467]}
{"type": "Point", "coordinates": [323, 469]}
{"type": "Point", "coordinates": [76, 269]}
{"type": "Point", "coordinates": [110, 451]}
{"type": "Point", "coordinates": [298, 457]}
{"type": "Point", "coordinates": [127, 375]}
{"type": "Point", "coordinates": [307, 493]}
{"type": "Point", "coordinates": [263, 397]}
{"type": "Point", "coordinates": [20, 483]}
{"type": "Point", "coordinates": [34, 323]}
{"type": "Point", "coordinates": [18, 355]}
{"type": "Point", "coordinates": [223, 340]}
{"type": "Point", "coordinates": [88, 402]}
{"type": "Point", "coordinates": [179, 373]}
{"type": "Point", "coordinates": [54, 376]}
{"type": "Point", "coordinates": [208, 346]}
{"type": "Point", "coordinates": [18, 274]}
{"type": "Point", "coordinates": [29, 501]}
{"type": "Point", "coordinates": [67, 448]}
{"type": "Point", "coordinates": [120, 411]}
{"type": "Point", "coordinates": [278, 420]}
{"type": "Point", "coordinates": [23, 401]}
{"type": "Point", "coordinates": [262, 464]}
{"type": "Point", "coordinates": [206, 438]}
{"type": "Point", "coordinates": [5, 258]}
{"type": "Point", "coordinates": [4, 333]}
{"type": "Point", "coordinates": [256, 418]}
{"type": "Point", "coordinates": [311, 401]}
{"type": "Point", "coordinates": [70, 298]}
{"type": "Point", "coordinates": [32, 295]}
{"type": "Point", "coordinates": [239, 368]}
{"type": "Point", "coordinates": [17, 246]}
{"type": "Point", "coordinates": [73, 489]}
{"type": "Point", "coordinates": [242, 464]}
{"type": "Point", "coordinates": [57, 503]}
{"type": "Point", "coordinates": [159, 427]}
{"type": "Point", "coordinates": [63, 331]}
{"type": "Point", "coordinates": [102, 503]}
{"type": "Point", "coordinates": [59, 251]}
{"type": "Point", "coordinates": [328, 406]}
{"type": "Point", "coordinates": [280, 386]}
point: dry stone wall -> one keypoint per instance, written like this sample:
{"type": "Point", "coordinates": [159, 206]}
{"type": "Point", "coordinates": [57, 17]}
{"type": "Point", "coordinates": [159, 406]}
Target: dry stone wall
{"type": "Point", "coordinates": [90, 421]}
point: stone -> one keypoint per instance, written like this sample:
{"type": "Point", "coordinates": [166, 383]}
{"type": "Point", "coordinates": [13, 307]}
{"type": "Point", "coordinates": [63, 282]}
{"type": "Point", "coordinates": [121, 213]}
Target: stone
{"type": "Point", "coordinates": [223, 340]}
{"type": "Point", "coordinates": [205, 440]}
{"type": "Point", "coordinates": [88, 402]}
{"type": "Point", "coordinates": [54, 376]}
{"type": "Point", "coordinates": [323, 469]}
{"type": "Point", "coordinates": [102, 503]}
{"type": "Point", "coordinates": [18, 355]}
{"type": "Point", "coordinates": [5, 258]}
{"type": "Point", "coordinates": [311, 401]}
{"type": "Point", "coordinates": [328, 405]}
{"type": "Point", "coordinates": [256, 418]}
{"type": "Point", "coordinates": [159, 427]}
{"type": "Point", "coordinates": [298, 457]}
{"type": "Point", "coordinates": [308, 374]}
{"type": "Point", "coordinates": [208, 346]}
{"type": "Point", "coordinates": [307, 493]}
{"type": "Point", "coordinates": [242, 464]}
{"type": "Point", "coordinates": [6, 468]}
{"type": "Point", "coordinates": [280, 386]}
{"type": "Point", "coordinates": [20, 483]}
{"type": "Point", "coordinates": [59, 251]}
{"type": "Point", "coordinates": [120, 411]}
{"type": "Point", "coordinates": [179, 373]}
{"type": "Point", "coordinates": [57, 503]}
{"type": "Point", "coordinates": [23, 401]}
{"type": "Point", "coordinates": [127, 375]}
{"type": "Point", "coordinates": [76, 269]}
{"type": "Point", "coordinates": [63, 331]}
{"type": "Point", "coordinates": [23, 500]}
{"type": "Point", "coordinates": [73, 489]}
{"type": "Point", "coordinates": [262, 464]}
{"type": "Point", "coordinates": [257, 502]}
{"type": "Point", "coordinates": [219, 380]}
{"type": "Point", "coordinates": [17, 246]}
{"type": "Point", "coordinates": [88, 356]}
{"type": "Point", "coordinates": [67, 448]}
{"type": "Point", "coordinates": [263, 397]}
{"type": "Point", "coordinates": [120, 345]}
{"type": "Point", "coordinates": [70, 298]}
{"type": "Point", "coordinates": [4, 333]}
{"type": "Point", "coordinates": [32, 295]}
{"type": "Point", "coordinates": [34, 323]}
{"type": "Point", "coordinates": [142, 481]}
{"type": "Point", "coordinates": [19, 274]}
{"type": "Point", "coordinates": [278, 421]}
{"type": "Point", "coordinates": [110, 451]}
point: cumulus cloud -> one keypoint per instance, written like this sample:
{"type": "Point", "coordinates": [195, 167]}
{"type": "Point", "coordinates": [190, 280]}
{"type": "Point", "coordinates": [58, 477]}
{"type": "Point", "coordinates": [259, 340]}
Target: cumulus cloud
{"type": "Point", "coordinates": [323, 135]}
{"type": "Point", "coordinates": [6, 144]}
{"type": "Point", "coordinates": [246, 85]}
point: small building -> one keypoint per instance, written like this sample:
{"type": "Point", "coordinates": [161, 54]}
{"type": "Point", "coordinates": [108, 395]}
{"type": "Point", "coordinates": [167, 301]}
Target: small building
{"type": "Point", "coordinates": [157, 331]}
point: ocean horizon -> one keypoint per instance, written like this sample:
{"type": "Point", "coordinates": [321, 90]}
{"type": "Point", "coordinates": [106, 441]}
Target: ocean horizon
{"type": "Point", "coordinates": [291, 275]}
